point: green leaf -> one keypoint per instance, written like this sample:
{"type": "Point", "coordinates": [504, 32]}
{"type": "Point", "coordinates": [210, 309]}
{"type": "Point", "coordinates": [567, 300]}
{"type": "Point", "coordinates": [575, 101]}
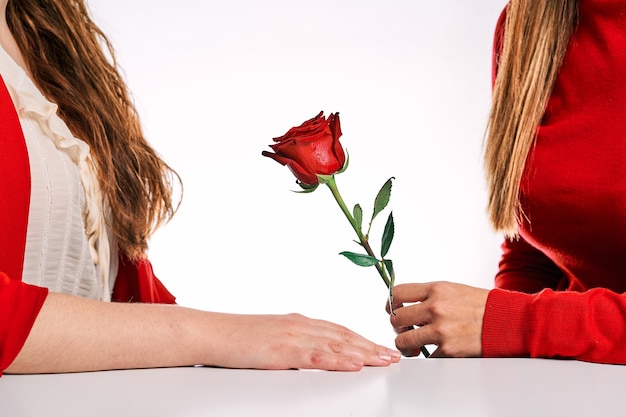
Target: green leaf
{"type": "Point", "coordinates": [387, 236]}
{"type": "Point", "coordinates": [357, 213]}
{"type": "Point", "coordinates": [389, 267]}
{"type": "Point", "coordinates": [360, 259]}
{"type": "Point", "coordinates": [382, 199]}
{"type": "Point", "coordinates": [392, 280]}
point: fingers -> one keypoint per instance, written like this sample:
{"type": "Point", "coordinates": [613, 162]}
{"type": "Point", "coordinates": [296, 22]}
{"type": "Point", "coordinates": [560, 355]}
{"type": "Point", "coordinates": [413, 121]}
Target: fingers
{"type": "Point", "coordinates": [410, 339]}
{"type": "Point", "coordinates": [404, 318]}
{"type": "Point", "coordinates": [411, 322]}
{"type": "Point", "coordinates": [408, 316]}
{"type": "Point", "coordinates": [343, 344]}
{"type": "Point", "coordinates": [409, 342]}
{"type": "Point", "coordinates": [411, 293]}
{"type": "Point", "coordinates": [318, 344]}
{"type": "Point", "coordinates": [336, 356]}
{"type": "Point", "coordinates": [408, 293]}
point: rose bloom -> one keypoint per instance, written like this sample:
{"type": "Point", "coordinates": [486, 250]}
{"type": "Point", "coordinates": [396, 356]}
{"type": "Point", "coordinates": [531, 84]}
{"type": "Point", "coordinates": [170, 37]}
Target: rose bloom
{"type": "Point", "coordinates": [310, 149]}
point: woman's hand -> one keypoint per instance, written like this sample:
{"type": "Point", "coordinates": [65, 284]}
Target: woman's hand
{"type": "Point", "coordinates": [296, 341]}
{"type": "Point", "coordinates": [448, 315]}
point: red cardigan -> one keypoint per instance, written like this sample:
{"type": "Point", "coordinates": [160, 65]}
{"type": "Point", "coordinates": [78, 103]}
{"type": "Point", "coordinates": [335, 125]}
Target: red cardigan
{"type": "Point", "coordinates": [19, 302]}
{"type": "Point", "coordinates": [561, 286]}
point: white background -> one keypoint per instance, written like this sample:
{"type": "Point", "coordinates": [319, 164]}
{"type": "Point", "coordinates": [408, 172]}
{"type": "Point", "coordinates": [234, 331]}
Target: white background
{"type": "Point", "coordinates": [215, 81]}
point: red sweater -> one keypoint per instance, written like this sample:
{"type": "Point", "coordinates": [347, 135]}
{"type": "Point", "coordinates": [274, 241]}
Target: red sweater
{"type": "Point", "coordinates": [560, 289]}
{"type": "Point", "coordinates": [19, 302]}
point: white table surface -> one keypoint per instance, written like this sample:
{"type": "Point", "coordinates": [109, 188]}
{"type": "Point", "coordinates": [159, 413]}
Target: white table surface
{"type": "Point", "coordinates": [414, 387]}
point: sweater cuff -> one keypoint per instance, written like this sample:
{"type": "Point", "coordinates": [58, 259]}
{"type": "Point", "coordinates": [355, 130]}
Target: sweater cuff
{"type": "Point", "coordinates": [506, 324]}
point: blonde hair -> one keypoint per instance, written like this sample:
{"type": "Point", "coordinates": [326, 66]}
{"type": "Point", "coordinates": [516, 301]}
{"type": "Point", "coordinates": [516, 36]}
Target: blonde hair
{"type": "Point", "coordinates": [535, 40]}
{"type": "Point", "coordinates": [74, 65]}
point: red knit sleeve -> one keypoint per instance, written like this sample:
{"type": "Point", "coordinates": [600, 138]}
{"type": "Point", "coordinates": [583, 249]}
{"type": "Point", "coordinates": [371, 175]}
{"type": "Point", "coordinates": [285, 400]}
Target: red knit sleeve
{"type": "Point", "coordinates": [19, 306]}
{"type": "Point", "coordinates": [587, 326]}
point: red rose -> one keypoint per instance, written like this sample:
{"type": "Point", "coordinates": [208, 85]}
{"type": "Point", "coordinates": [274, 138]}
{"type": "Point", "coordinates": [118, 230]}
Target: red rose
{"type": "Point", "coordinates": [310, 149]}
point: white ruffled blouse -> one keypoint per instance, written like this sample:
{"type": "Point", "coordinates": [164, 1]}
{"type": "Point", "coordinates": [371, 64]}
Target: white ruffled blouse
{"type": "Point", "coordinates": [68, 246]}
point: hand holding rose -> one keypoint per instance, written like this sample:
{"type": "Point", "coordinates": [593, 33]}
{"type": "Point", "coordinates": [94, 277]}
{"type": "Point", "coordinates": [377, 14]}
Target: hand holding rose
{"type": "Point", "coordinates": [449, 315]}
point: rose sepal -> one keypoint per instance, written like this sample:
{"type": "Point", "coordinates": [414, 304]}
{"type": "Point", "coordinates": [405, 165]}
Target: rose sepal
{"type": "Point", "coordinates": [306, 188]}
{"type": "Point", "coordinates": [345, 164]}
{"type": "Point", "coordinates": [324, 179]}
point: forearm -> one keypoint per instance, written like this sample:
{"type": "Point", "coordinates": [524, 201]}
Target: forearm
{"type": "Point", "coordinates": [72, 334]}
